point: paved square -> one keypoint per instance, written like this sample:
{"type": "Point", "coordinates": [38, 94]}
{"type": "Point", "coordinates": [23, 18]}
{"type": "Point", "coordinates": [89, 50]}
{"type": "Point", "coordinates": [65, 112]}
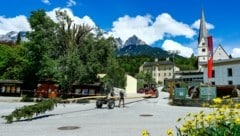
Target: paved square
{"type": "Point", "coordinates": [154, 114]}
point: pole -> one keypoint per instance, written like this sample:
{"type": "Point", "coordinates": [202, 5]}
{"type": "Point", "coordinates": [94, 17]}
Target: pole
{"type": "Point", "coordinates": [173, 52]}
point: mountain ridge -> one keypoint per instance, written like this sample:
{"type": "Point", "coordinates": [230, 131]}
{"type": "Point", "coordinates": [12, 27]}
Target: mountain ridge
{"type": "Point", "coordinates": [136, 47]}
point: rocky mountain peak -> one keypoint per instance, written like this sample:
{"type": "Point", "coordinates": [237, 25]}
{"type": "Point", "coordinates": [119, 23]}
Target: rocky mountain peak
{"type": "Point", "coordinates": [134, 40]}
{"type": "Point", "coordinates": [11, 37]}
{"type": "Point", "coordinates": [119, 42]}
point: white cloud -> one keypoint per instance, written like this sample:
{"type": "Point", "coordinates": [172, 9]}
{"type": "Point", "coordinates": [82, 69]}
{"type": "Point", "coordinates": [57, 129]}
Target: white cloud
{"type": "Point", "coordinates": [46, 2]}
{"type": "Point", "coordinates": [196, 25]}
{"type": "Point", "coordinates": [150, 30]}
{"type": "Point", "coordinates": [235, 52]}
{"type": "Point", "coordinates": [76, 20]}
{"type": "Point", "coordinates": [170, 45]}
{"type": "Point", "coordinates": [71, 3]}
{"type": "Point", "coordinates": [18, 23]}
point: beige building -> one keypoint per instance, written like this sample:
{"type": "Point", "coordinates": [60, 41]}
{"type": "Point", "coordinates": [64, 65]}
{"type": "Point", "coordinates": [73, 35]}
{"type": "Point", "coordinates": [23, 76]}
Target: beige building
{"type": "Point", "coordinates": [131, 84]}
{"type": "Point", "coordinates": [160, 70]}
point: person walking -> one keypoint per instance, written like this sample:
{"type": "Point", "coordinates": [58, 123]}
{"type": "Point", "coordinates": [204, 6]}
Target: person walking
{"type": "Point", "coordinates": [121, 98]}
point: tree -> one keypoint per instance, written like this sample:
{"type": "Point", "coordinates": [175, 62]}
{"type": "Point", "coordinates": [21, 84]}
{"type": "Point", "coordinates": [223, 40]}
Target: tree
{"type": "Point", "coordinates": [39, 49]}
{"type": "Point", "coordinates": [131, 64]}
{"type": "Point", "coordinates": [70, 38]}
{"type": "Point", "coordinates": [144, 78]}
{"type": "Point", "coordinates": [83, 54]}
{"type": "Point", "coordinates": [11, 62]}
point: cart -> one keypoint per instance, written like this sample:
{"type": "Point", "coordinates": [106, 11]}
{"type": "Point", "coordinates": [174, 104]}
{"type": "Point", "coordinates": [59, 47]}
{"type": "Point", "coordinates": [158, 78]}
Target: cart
{"type": "Point", "coordinates": [109, 101]}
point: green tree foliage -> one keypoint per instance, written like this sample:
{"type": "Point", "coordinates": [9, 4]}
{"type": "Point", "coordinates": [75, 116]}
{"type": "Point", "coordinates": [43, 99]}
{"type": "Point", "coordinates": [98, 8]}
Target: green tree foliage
{"type": "Point", "coordinates": [187, 63]}
{"type": "Point", "coordinates": [116, 75]}
{"type": "Point", "coordinates": [82, 54]}
{"type": "Point", "coordinates": [70, 45]}
{"type": "Point", "coordinates": [144, 78]}
{"type": "Point", "coordinates": [131, 64]}
{"type": "Point", "coordinates": [39, 49]}
{"type": "Point", "coordinates": [11, 62]}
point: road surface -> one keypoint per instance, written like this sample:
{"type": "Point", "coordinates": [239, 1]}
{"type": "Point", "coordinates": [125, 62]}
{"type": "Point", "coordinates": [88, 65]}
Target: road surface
{"type": "Point", "coordinates": [154, 114]}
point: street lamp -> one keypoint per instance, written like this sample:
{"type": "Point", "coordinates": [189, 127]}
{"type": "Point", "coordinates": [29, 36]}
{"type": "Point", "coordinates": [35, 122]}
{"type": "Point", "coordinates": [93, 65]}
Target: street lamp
{"type": "Point", "coordinates": [173, 52]}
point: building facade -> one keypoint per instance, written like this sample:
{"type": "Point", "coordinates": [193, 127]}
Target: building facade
{"type": "Point", "coordinates": [225, 72]}
{"type": "Point", "coordinates": [220, 54]}
{"type": "Point", "coordinates": [160, 70]}
{"type": "Point", "coordinates": [131, 85]}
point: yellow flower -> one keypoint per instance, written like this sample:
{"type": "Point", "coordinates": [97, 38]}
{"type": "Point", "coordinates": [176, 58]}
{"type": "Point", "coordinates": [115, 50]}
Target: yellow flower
{"type": "Point", "coordinates": [170, 132]}
{"type": "Point", "coordinates": [183, 129]}
{"type": "Point", "coordinates": [205, 105]}
{"type": "Point", "coordinates": [237, 106]}
{"type": "Point", "coordinates": [225, 106]}
{"type": "Point", "coordinates": [209, 118]}
{"type": "Point", "coordinates": [145, 133]}
{"type": "Point", "coordinates": [219, 117]}
{"type": "Point", "coordinates": [221, 110]}
{"type": "Point", "coordinates": [217, 100]}
{"type": "Point", "coordinates": [237, 121]}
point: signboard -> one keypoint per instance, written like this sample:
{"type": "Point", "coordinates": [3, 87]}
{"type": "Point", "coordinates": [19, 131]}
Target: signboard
{"type": "Point", "coordinates": [180, 93]}
{"type": "Point", "coordinates": [207, 93]}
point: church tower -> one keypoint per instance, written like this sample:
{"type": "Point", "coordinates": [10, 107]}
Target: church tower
{"type": "Point", "coordinates": [202, 42]}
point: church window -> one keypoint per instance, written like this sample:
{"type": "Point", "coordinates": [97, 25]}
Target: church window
{"type": "Point", "coordinates": [203, 44]}
{"type": "Point", "coordinates": [203, 50]}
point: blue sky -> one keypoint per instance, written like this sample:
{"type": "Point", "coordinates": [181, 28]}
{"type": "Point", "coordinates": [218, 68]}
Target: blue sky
{"type": "Point", "coordinates": [169, 24]}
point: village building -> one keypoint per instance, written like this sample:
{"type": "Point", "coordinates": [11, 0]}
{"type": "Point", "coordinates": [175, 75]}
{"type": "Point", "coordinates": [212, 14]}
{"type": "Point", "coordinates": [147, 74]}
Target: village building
{"type": "Point", "coordinates": [225, 72]}
{"type": "Point", "coordinates": [130, 87]}
{"type": "Point", "coordinates": [160, 70]}
{"type": "Point", "coordinates": [225, 68]}
{"type": "Point", "coordinates": [10, 87]}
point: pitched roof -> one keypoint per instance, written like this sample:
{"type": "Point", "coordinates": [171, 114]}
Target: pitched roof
{"type": "Point", "coordinates": [11, 81]}
{"type": "Point", "coordinates": [225, 61]}
{"type": "Point", "coordinates": [220, 51]}
{"type": "Point", "coordinates": [149, 64]}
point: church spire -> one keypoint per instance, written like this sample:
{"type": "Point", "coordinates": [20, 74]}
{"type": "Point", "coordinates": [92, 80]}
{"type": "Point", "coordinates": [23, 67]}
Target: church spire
{"type": "Point", "coordinates": [203, 33]}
